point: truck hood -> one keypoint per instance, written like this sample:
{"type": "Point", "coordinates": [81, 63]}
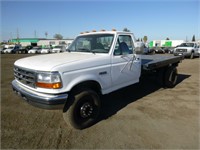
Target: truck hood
{"type": "Point", "coordinates": [8, 49]}
{"type": "Point", "coordinates": [49, 62]}
{"type": "Point", "coordinates": [184, 47]}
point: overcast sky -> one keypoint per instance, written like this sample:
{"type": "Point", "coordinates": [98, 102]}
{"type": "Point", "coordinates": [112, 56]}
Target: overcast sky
{"type": "Point", "coordinates": [157, 19]}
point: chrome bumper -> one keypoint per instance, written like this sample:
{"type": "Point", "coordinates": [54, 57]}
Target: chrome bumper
{"type": "Point", "coordinates": [45, 101]}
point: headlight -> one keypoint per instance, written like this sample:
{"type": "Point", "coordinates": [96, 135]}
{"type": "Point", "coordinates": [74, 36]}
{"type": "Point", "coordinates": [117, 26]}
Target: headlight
{"type": "Point", "coordinates": [49, 80]}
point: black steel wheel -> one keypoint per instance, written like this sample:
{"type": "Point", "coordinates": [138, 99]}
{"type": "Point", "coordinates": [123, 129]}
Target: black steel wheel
{"type": "Point", "coordinates": [84, 109]}
{"type": "Point", "coordinates": [170, 77]}
{"type": "Point", "coordinates": [192, 55]}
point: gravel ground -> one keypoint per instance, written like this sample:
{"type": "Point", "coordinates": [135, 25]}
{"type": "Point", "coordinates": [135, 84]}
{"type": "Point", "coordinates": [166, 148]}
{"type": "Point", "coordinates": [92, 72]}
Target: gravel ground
{"type": "Point", "coordinates": [140, 116]}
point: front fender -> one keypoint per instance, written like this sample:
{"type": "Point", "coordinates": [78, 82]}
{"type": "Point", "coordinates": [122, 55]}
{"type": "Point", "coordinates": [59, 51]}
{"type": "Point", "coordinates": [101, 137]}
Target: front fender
{"type": "Point", "coordinates": [69, 84]}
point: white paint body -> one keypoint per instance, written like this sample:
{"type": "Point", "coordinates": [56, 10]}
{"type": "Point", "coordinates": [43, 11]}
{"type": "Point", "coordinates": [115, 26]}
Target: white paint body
{"type": "Point", "coordinates": [109, 71]}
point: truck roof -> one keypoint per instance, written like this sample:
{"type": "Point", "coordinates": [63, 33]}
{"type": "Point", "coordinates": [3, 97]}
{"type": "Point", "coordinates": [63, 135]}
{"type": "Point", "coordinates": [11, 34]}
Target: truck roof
{"type": "Point", "coordinates": [104, 32]}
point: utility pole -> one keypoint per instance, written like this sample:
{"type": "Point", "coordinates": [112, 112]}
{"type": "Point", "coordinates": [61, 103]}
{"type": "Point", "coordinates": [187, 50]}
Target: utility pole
{"type": "Point", "coordinates": [11, 36]}
{"type": "Point", "coordinates": [35, 34]}
{"type": "Point", "coordinates": [17, 35]}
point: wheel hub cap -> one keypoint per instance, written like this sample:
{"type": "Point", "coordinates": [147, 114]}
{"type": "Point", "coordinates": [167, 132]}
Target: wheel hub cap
{"type": "Point", "coordinates": [86, 110]}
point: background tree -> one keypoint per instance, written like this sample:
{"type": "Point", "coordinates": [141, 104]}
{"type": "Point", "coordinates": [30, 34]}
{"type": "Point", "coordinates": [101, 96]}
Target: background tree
{"type": "Point", "coordinates": [167, 38]}
{"type": "Point", "coordinates": [126, 30]}
{"type": "Point", "coordinates": [46, 34]}
{"type": "Point", "coordinates": [58, 36]}
{"type": "Point", "coordinates": [145, 39]}
{"type": "Point", "coordinates": [193, 38]}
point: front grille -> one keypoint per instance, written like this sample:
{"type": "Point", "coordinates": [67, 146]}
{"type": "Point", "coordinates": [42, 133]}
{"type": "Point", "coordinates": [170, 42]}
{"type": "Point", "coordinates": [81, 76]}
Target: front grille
{"type": "Point", "coordinates": [181, 50]}
{"type": "Point", "coordinates": [25, 76]}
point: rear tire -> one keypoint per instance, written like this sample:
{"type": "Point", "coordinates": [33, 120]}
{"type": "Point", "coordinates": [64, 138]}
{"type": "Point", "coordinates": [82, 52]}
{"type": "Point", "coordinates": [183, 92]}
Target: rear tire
{"type": "Point", "coordinates": [82, 110]}
{"type": "Point", "coordinates": [170, 77]}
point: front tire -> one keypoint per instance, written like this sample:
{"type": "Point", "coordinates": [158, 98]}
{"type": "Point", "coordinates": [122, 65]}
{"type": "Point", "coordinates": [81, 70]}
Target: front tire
{"type": "Point", "coordinates": [192, 55]}
{"type": "Point", "coordinates": [83, 110]}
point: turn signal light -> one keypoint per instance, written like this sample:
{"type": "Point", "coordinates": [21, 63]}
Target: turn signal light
{"type": "Point", "coordinates": [49, 85]}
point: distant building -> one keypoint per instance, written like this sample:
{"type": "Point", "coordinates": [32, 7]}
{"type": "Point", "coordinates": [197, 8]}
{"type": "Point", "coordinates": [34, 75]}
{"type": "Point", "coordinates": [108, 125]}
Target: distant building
{"type": "Point", "coordinates": [165, 43]}
{"type": "Point", "coordinates": [41, 41]}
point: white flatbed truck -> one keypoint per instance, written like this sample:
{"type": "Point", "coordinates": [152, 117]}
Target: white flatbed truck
{"type": "Point", "coordinates": [96, 63]}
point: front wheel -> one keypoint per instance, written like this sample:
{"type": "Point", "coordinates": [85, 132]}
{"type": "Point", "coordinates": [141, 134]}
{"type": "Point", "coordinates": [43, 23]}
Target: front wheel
{"type": "Point", "coordinates": [192, 55]}
{"type": "Point", "coordinates": [84, 109]}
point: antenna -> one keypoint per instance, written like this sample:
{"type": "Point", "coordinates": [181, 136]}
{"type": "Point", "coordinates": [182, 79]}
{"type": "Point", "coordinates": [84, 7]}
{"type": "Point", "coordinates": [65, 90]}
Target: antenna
{"type": "Point", "coordinates": [11, 37]}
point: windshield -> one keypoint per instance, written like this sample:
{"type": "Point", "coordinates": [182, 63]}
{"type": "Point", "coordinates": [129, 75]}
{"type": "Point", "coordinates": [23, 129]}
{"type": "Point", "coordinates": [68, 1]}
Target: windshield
{"type": "Point", "coordinates": [10, 47]}
{"type": "Point", "coordinates": [58, 47]}
{"type": "Point", "coordinates": [187, 45]}
{"type": "Point", "coordinates": [97, 43]}
{"type": "Point", "coordinates": [35, 48]}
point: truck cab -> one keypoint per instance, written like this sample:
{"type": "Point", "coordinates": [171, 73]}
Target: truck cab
{"type": "Point", "coordinates": [116, 55]}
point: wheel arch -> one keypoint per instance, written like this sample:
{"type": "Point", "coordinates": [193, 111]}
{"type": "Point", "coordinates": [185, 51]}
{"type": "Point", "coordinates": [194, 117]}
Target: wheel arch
{"type": "Point", "coordinates": [87, 84]}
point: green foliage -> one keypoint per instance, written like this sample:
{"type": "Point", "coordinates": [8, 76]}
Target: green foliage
{"type": "Point", "coordinates": [145, 39]}
{"type": "Point", "coordinates": [193, 38]}
{"type": "Point", "coordinates": [126, 30]}
{"type": "Point", "coordinates": [58, 36]}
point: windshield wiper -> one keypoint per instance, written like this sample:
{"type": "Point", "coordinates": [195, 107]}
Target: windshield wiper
{"type": "Point", "coordinates": [85, 50]}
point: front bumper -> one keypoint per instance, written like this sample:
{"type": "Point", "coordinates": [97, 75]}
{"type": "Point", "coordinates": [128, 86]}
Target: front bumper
{"type": "Point", "coordinates": [182, 54]}
{"type": "Point", "coordinates": [45, 101]}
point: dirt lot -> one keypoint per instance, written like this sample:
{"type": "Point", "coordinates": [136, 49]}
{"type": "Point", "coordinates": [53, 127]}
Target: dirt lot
{"type": "Point", "coordinates": [139, 116]}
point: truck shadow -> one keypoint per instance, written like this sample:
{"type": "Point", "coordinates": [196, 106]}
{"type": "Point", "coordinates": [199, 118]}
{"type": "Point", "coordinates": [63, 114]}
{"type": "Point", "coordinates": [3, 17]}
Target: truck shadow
{"type": "Point", "coordinates": [119, 99]}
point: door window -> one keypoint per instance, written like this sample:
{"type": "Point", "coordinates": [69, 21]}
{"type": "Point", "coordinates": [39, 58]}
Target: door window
{"type": "Point", "coordinates": [124, 45]}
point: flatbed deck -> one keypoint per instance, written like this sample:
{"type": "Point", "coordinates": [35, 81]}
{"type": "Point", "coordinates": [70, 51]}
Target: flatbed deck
{"type": "Point", "coordinates": [151, 62]}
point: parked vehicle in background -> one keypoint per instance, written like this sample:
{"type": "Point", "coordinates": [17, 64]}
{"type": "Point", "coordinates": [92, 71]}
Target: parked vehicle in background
{"type": "Point", "coordinates": [45, 50]}
{"type": "Point", "coordinates": [58, 49]}
{"type": "Point", "coordinates": [187, 49]}
{"type": "Point", "coordinates": [1, 50]}
{"type": "Point", "coordinates": [28, 47]}
{"type": "Point", "coordinates": [166, 49]}
{"type": "Point", "coordinates": [35, 50]}
{"type": "Point", "coordinates": [5, 46]}
{"type": "Point", "coordinates": [171, 50]}
{"type": "Point", "coordinates": [142, 48]}
{"type": "Point", "coordinates": [159, 50]}
{"type": "Point", "coordinates": [24, 49]}
{"type": "Point", "coordinates": [12, 49]}
{"type": "Point", "coordinates": [198, 49]}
